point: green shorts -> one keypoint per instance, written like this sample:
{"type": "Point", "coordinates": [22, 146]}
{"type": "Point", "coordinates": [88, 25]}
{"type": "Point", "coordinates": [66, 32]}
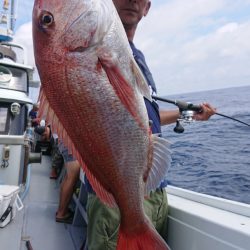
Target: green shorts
{"type": "Point", "coordinates": [103, 221]}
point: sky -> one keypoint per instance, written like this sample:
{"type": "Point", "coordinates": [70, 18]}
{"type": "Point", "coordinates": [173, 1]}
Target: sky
{"type": "Point", "coordinates": [189, 45]}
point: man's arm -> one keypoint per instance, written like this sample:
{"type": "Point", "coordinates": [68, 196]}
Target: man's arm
{"type": "Point", "coordinates": [171, 116]}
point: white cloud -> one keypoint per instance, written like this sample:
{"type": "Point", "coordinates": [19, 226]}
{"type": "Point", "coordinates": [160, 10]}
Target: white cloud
{"type": "Point", "coordinates": [230, 27]}
{"type": "Point", "coordinates": [23, 36]}
{"type": "Point", "coordinates": [197, 44]}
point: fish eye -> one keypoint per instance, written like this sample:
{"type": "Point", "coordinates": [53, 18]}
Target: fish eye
{"type": "Point", "coordinates": [46, 19]}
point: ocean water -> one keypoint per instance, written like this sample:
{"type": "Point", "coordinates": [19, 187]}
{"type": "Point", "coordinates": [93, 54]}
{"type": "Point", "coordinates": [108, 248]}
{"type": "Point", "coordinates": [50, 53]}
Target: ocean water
{"type": "Point", "coordinates": [213, 157]}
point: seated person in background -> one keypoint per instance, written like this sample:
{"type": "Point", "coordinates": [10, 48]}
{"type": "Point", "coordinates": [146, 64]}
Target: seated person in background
{"type": "Point", "coordinates": [33, 115]}
{"type": "Point", "coordinates": [57, 159]}
{"type": "Point", "coordinates": [64, 214]}
{"type": "Point", "coordinates": [60, 155]}
{"type": "Point", "coordinates": [45, 139]}
{"type": "Point", "coordinates": [49, 141]}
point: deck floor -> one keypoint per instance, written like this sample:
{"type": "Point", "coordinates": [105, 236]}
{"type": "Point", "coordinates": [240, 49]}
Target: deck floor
{"type": "Point", "coordinates": [40, 207]}
{"type": "Point", "coordinates": [36, 222]}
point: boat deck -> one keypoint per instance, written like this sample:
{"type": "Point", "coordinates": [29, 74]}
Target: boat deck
{"type": "Point", "coordinates": [36, 222]}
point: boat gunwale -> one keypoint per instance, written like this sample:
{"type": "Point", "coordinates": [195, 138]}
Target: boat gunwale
{"type": "Point", "coordinates": [236, 207]}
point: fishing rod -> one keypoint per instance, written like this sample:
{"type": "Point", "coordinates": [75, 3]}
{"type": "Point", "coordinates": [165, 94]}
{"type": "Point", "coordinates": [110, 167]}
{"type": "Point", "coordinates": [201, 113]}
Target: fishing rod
{"type": "Point", "coordinates": [187, 110]}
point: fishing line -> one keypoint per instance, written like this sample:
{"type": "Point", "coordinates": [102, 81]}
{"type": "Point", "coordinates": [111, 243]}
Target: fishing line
{"type": "Point", "coordinates": [184, 107]}
{"type": "Point", "coordinates": [234, 119]}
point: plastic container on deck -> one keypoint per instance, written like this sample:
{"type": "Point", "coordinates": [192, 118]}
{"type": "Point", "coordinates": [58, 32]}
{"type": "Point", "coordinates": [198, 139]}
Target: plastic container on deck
{"type": "Point", "coordinates": [9, 203]}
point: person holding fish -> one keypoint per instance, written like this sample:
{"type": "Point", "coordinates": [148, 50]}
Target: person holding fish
{"type": "Point", "coordinates": [103, 221]}
{"type": "Point", "coordinates": [108, 121]}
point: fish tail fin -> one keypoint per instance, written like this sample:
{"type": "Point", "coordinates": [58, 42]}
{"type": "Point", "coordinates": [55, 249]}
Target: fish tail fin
{"type": "Point", "coordinates": [149, 239]}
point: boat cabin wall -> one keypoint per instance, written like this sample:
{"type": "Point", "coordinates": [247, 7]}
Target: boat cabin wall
{"type": "Point", "coordinates": [14, 100]}
{"type": "Point", "coordinates": [12, 161]}
{"type": "Point", "coordinates": [13, 118]}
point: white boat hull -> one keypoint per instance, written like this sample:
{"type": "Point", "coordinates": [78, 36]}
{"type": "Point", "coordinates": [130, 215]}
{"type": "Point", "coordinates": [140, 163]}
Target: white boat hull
{"type": "Point", "coordinates": [203, 222]}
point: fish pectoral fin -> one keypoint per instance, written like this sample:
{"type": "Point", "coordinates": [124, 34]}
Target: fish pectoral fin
{"type": "Point", "coordinates": [107, 58]}
{"type": "Point", "coordinates": [124, 90]}
{"type": "Point", "coordinates": [160, 163]}
{"type": "Point", "coordinates": [111, 61]}
{"type": "Point", "coordinates": [141, 82]}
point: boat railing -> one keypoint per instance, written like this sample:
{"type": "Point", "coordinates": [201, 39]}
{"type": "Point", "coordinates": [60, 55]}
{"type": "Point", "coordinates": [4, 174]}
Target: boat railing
{"type": "Point", "coordinates": [12, 139]}
{"type": "Point", "coordinates": [216, 202]}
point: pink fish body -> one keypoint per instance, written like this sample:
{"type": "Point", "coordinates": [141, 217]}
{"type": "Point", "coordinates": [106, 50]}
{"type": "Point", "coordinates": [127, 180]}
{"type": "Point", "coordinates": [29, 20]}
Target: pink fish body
{"type": "Point", "coordinates": [92, 95]}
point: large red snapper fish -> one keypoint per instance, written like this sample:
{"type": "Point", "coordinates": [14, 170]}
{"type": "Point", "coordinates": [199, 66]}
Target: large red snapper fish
{"type": "Point", "coordinates": [92, 95]}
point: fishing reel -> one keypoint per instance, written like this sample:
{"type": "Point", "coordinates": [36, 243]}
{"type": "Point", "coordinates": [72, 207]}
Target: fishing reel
{"type": "Point", "coordinates": [187, 112]}
{"type": "Point", "coordinates": [186, 117]}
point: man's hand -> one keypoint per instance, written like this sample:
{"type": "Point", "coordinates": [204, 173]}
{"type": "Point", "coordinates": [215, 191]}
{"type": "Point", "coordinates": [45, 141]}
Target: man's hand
{"type": "Point", "coordinates": [206, 113]}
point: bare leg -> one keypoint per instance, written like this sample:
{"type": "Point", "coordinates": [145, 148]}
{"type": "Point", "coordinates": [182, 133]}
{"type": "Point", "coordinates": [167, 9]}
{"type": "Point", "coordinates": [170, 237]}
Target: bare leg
{"type": "Point", "coordinates": [67, 187]}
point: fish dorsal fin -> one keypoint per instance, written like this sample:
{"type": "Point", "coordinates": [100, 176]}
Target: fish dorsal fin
{"type": "Point", "coordinates": [160, 163]}
{"type": "Point", "coordinates": [47, 113]}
